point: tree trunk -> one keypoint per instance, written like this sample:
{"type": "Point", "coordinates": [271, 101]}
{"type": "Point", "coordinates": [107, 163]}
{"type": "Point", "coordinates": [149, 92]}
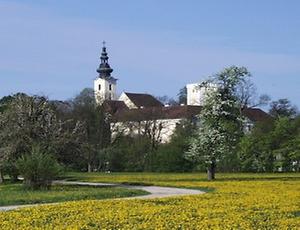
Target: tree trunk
{"type": "Point", "coordinates": [14, 178]}
{"type": "Point", "coordinates": [89, 167]}
{"type": "Point", "coordinates": [211, 170]}
{"type": "Point", "coordinates": [1, 177]}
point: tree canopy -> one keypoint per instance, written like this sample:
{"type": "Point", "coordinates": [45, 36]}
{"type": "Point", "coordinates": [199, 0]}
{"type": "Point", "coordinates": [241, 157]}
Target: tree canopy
{"type": "Point", "coordinates": [220, 119]}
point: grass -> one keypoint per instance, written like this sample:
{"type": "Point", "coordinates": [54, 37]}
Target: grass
{"type": "Point", "coordinates": [237, 201]}
{"type": "Point", "coordinates": [188, 180]}
{"type": "Point", "coordinates": [12, 194]}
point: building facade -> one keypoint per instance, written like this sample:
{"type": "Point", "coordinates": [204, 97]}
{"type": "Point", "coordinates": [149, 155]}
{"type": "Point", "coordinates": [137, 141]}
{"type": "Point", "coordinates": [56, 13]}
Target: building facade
{"type": "Point", "coordinates": [142, 114]}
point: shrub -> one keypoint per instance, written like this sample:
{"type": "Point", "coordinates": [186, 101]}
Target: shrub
{"type": "Point", "coordinates": [169, 157]}
{"type": "Point", "coordinates": [9, 168]}
{"type": "Point", "coordinates": [38, 168]}
{"type": "Point", "coordinates": [130, 154]}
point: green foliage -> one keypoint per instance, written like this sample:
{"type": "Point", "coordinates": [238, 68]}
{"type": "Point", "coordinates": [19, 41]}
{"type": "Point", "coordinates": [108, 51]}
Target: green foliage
{"type": "Point", "coordinates": [271, 146]}
{"type": "Point", "coordinates": [282, 108]}
{"type": "Point", "coordinates": [255, 148]}
{"type": "Point", "coordinates": [4, 102]}
{"type": "Point", "coordinates": [169, 157]}
{"type": "Point", "coordinates": [30, 120]}
{"type": "Point", "coordinates": [25, 121]}
{"type": "Point", "coordinates": [9, 168]}
{"type": "Point", "coordinates": [130, 154]}
{"type": "Point", "coordinates": [95, 128]}
{"type": "Point", "coordinates": [136, 154]}
{"type": "Point", "coordinates": [38, 168]}
{"type": "Point", "coordinates": [182, 96]}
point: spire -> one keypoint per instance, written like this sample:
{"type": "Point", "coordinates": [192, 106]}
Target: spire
{"type": "Point", "coordinates": [104, 69]}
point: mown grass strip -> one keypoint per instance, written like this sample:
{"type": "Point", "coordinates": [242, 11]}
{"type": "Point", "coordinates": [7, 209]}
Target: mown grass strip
{"type": "Point", "coordinates": [12, 194]}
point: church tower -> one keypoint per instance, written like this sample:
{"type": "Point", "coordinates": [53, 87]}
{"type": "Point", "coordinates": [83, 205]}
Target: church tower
{"type": "Point", "coordinates": [105, 84]}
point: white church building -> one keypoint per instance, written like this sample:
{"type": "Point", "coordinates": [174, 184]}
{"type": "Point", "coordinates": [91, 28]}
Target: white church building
{"type": "Point", "coordinates": [137, 113]}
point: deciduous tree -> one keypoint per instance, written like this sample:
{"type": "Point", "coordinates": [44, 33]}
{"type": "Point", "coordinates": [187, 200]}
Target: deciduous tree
{"type": "Point", "coordinates": [95, 128]}
{"type": "Point", "coordinates": [283, 108]}
{"type": "Point", "coordinates": [220, 120]}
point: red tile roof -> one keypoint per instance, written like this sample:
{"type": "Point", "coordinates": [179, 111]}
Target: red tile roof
{"type": "Point", "coordinates": [143, 100]}
{"type": "Point", "coordinates": [112, 106]}
{"type": "Point", "coordinates": [255, 114]}
{"type": "Point", "coordinates": [176, 112]}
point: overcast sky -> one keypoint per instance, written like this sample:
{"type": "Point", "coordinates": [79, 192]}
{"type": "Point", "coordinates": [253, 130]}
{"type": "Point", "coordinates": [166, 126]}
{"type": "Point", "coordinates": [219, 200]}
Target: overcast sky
{"type": "Point", "coordinates": [155, 46]}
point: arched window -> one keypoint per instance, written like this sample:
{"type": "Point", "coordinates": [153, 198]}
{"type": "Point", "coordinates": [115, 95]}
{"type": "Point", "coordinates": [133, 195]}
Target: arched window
{"type": "Point", "coordinates": [99, 87]}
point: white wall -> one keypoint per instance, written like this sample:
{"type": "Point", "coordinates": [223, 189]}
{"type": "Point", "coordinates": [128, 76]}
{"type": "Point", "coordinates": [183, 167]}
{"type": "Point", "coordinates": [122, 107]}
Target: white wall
{"type": "Point", "coordinates": [104, 93]}
{"type": "Point", "coordinates": [196, 94]}
{"type": "Point", "coordinates": [133, 128]}
{"type": "Point", "coordinates": [127, 101]}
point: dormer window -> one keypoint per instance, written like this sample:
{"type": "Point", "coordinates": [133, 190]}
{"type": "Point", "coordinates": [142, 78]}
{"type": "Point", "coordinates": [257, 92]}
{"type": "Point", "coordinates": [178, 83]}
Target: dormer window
{"type": "Point", "coordinates": [109, 86]}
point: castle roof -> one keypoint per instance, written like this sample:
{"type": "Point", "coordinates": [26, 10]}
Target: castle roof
{"type": "Point", "coordinates": [177, 112]}
{"type": "Point", "coordinates": [104, 68]}
{"type": "Point", "coordinates": [141, 100]}
{"type": "Point", "coordinates": [255, 114]}
{"type": "Point", "coordinates": [112, 106]}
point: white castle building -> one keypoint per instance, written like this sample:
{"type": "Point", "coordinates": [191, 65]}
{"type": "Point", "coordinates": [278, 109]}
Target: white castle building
{"type": "Point", "coordinates": [139, 113]}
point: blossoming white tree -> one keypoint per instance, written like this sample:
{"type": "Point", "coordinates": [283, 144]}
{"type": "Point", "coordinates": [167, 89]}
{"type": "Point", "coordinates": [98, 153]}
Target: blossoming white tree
{"type": "Point", "coordinates": [221, 121]}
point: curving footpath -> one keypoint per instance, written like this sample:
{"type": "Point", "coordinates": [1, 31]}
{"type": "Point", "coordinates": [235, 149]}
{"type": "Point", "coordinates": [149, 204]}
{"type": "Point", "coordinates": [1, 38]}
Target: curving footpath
{"type": "Point", "coordinates": [155, 192]}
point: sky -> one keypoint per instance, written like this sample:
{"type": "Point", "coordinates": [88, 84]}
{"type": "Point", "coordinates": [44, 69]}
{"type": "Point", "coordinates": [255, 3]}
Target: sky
{"type": "Point", "coordinates": [52, 47]}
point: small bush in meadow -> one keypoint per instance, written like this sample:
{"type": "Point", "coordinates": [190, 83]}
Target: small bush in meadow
{"type": "Point", "coordinates": [38, 168]}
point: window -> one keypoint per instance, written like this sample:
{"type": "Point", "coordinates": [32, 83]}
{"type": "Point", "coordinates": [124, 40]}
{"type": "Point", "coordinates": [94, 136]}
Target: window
{"type": "Point", "coordinates": [99, 87]}
{"type": "Point", "coordinates": [109, 86]}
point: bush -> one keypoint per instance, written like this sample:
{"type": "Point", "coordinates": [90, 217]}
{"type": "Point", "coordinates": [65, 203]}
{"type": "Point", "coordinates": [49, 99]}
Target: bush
{"type": "Point", "coordinates": [129, 154]}
{"type": "Point", "coordinates": [9, 168]}
{"type": "Point", "coordinates": [169, 157]}
{"type": "Point", "coordinates": [38, 168]}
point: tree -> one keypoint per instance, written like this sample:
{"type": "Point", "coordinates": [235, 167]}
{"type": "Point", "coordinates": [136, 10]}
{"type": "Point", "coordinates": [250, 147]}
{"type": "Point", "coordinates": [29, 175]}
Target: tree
{"type": "Point", "coordinates": [27, 120]}
{"type": "Point", "coordinates": [167, 100]}
{"type": "Point", "coordinates": [4, 102]}
{"type": "Point", "coordinates": [182, 96]}
{"type": "Point", "coordinates": [30, 120]}
{"type": "Point", "coordinates": [169, 157]}
{"type": "Point", "coordinates": [95, 126]}
{"type": "Point", "coordinates": [246, 92]}
{"type": "Point", "coordinates": [285, 143]}
{"type": "Point", "coordinates": [272, 145]}
{"type": "Point", "coordinates": [283, 108]}
{"type": "Point", "coordinates": [255, 148]}
{"type": "Point", "coordinates": [294, 153]}
{"type": "Point", "coordinates": [220, 125]}
{"type": "Point", "coordinates": [147, 127]}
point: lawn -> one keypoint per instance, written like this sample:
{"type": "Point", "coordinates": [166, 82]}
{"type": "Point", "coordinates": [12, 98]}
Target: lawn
{"type": "Point", "coordinates": [11, 194]}
{"type": "Point", "coordinates": [236, 201]}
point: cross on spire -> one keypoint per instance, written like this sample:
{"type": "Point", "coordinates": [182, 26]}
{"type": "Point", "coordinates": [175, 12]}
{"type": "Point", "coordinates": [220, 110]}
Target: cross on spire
{"type": "Point", "coordinates": [103, 43]}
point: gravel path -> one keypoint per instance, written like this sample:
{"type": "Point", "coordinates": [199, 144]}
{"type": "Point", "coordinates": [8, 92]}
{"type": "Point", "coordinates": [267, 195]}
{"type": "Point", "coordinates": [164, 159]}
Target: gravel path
{"type": "Point", "coordinates": [155, 192]}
